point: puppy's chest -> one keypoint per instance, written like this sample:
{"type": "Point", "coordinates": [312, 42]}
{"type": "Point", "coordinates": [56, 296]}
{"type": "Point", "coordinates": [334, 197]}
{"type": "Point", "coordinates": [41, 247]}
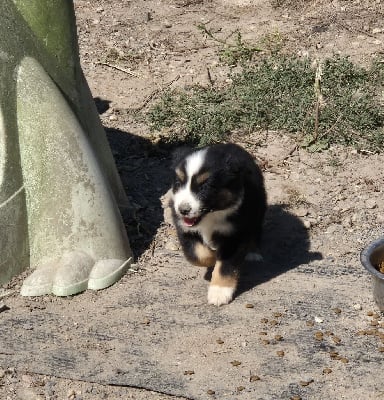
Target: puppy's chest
{"type": "Point", "coordinates": [211, 225]}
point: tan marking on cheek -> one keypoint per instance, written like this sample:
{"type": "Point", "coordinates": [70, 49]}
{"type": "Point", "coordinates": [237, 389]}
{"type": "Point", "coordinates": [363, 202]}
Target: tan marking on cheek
{"type": "Point", "coordinates": [219, 279]}
{"type": "Point", "coordinates": [180, 174]}
{"type": "Point", "coordinates": [202, 177]}
{"type": "Point", "coordinates": [205, 257]}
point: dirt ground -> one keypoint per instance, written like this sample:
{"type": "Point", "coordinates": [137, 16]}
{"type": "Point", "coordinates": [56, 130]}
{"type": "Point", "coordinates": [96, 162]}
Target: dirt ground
{"type": "Point", "coordinates": [304, 324]}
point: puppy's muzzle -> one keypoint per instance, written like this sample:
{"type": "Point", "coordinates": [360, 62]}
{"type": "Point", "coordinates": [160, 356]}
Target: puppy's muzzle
{"type": "Point", "coordinates": [184, 209]}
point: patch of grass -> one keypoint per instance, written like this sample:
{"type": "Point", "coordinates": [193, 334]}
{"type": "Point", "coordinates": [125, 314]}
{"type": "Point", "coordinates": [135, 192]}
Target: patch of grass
{"type": "Point", "coordinates": [233, 52]}
{"type": "Point", "coordinates": [279, 93]}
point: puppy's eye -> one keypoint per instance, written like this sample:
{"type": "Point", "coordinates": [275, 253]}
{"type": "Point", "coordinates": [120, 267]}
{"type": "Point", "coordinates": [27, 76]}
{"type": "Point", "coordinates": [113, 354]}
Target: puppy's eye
{"type": "Point", "coordinates": [176, 184]}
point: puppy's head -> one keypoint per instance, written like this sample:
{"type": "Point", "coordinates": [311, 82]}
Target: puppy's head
{"type": "Point", "coordinates": [204, 182]}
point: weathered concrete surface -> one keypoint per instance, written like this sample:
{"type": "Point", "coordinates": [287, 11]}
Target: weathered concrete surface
{"type": "Point", "coordinates": [303, 331]}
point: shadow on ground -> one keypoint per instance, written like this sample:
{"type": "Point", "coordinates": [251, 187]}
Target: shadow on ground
{"type": "Point", "coordinates": [145, 172]}
{"type": "Point", "coordinates": [285, 246]}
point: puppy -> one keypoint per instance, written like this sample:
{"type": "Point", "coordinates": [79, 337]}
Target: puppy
{"type": "Point", "coordinates": [218, 204]}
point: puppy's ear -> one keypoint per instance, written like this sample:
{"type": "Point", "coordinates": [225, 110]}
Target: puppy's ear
{"type": "Point", "coordinates": [179, 154]}
{"type": "Point", "coordinates": [233, 165]}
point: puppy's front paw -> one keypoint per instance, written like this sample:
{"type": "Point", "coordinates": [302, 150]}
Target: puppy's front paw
{"type": "Point", "coordinates": [219, 295]}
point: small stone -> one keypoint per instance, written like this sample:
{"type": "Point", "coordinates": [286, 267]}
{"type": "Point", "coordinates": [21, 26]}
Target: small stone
{"type": "Point", "coordinates": [357, 307]}
{"type": "Point", "coordinates": [319, 320]}
{"type": "Point", "coordinates": [337, 310]}
{"type": "Point", "coordinates": [236, 363]}
{"type": "Point", "coordinates": [280, 353]}
{"type": "Point", "coordinates": [278, 338]}
{"type": "Point", "coordinates": [336, 339]}
{"type": "Point", "coordinates": [307, 224]}
{"type": "Point", "coordinates": [240, 388]}
{"type": "Point", "coordinates": [370, 204]}
{"type": "Point", "coordinates": [189, 372]}
{"type": "Point", "coordinates": [277, 314]}
{"type": "Point", "coordinates": [370, 313]}
{"type": "Point", "coordinates": [219, 341]}
{"type": "Point", "coordinates": [327, 371]}
{"type": "Point", "coordinates": [306, 383]}
{"type": "Point", "coordinates": [381, 349]}
{"type": "Point", "coordinates": [27, 394]}
{"type": "Point", "coordinates": [334, 355]}
{"type": "Point", "coordinates": [254, 378]}
{"type": "Point", "coordinates": [249, 305]}
{"type": "Point", "coordinates": [301, 212]}
{"type": "Point", "coordinates": [113, 117]}
{"type": "Point", "coordinates": [71, 394]}
{"type": "Point", "coordinates": [171, 245]}
{"type": "Point", "coordinates": [211, 392]}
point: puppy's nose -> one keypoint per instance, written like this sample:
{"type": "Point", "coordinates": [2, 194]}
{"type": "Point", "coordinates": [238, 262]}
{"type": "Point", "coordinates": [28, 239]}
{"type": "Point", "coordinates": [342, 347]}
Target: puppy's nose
{"type": "Point", "coordinates": [184, 208]}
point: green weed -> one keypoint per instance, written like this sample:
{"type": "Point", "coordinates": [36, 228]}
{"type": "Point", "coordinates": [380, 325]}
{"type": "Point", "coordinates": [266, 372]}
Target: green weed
{"type": "Point", "coordinates": [279, 93]}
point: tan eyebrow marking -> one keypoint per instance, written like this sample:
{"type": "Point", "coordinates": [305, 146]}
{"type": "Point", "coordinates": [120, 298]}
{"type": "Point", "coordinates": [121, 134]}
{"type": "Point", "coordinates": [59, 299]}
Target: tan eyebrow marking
{"type": "Point", "coordinates": [201, 178]}
{"type": "Point", "coordinates": [180, 174]}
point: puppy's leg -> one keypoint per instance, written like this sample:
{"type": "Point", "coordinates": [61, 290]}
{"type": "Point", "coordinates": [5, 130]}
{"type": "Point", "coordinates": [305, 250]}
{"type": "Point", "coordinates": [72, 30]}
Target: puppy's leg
{"type": "Point", "coordinates": [204, 256]}
{"type": "Point", "coordinates": [254, 256]}
{"type": "Point", "coordinates": [223, 284]}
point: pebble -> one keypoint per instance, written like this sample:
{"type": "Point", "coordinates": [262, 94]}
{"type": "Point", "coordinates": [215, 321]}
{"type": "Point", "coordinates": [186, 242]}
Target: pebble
{"type": "Point", "coordinates": [301, 212]}
{"type": "Point", "coordinates": [171, 245]}
{"type": "Point", "coordinates": [357, 307]}
{"type": "Point", "coordinates": [371, 204]}
{"type": "Point", "coordinates": [27, 394]}
{"type": "Point", "coordinates": [319, 320]}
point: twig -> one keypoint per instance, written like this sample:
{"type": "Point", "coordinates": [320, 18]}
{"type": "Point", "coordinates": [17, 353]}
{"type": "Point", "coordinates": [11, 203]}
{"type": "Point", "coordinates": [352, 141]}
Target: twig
{"type": "Point", "coordinates": [210, 77]}
{"type": "Point", "coordinates": [318, 99]}
{"type": "Point", "coordinates": [118, 68]}
{"type": "Point", "coordinates": [290, 152]}
{"type": "Point", "coordinates": [156, 92]}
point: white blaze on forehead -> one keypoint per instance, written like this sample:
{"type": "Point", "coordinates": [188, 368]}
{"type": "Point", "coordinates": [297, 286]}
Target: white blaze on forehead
{"type": "Point", "coordinates": [193, 165]}
{"type": "Point", "coordinates": [194, 162]}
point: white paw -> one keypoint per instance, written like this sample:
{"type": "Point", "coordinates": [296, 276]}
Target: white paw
{"type": "Point", "coordinates": [219, 295]}
{"type": "Point", "coordinates": [254, 257]}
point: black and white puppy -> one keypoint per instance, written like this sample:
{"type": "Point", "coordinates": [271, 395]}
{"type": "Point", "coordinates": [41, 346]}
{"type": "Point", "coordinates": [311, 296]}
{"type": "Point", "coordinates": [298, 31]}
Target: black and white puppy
{"type": "Point", "coordinates": [218, 205]}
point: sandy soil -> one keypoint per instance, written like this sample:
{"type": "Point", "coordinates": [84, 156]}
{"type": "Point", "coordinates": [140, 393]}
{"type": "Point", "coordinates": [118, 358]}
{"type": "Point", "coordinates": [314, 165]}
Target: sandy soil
{"type": "Point", "coordinates": [308, 301]}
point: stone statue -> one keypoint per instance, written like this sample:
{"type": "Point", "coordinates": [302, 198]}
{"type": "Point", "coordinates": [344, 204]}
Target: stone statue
{"type": "Point", "coordinates": [59, 187]}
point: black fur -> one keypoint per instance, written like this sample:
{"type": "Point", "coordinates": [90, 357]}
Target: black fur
{"type": "Point", "coordinates": [233, 176]}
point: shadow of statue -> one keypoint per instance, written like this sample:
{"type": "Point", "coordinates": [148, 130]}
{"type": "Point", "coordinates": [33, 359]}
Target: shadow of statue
{"type": "Point", "coordinates": [145, 172]}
